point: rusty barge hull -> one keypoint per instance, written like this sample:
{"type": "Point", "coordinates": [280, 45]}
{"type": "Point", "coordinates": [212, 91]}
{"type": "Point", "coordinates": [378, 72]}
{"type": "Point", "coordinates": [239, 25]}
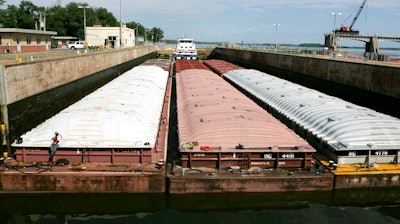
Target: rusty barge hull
{"type": "Point", "coordinates": [384, 180]}
{"type": "Point", "coordinates": [84, 182]}
{"type": "Point", "coordinates": [278, 181]}
{"type": "Point", "coordinates": [357, 176]}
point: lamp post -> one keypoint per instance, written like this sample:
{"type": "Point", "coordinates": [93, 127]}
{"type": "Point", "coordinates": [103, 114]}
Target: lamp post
{"type": "Point", "coordinates": [84, 21]}
{"type": "Point", "coordinates": [334, 14]}
{"type": "Point", "coordinates": [137, 35]}
{"type": "Point", "coordinates": [120, 24]}
{"type": "Point", "coordinates": [234, 39]}
{"type": "Point", "coordinates": [276, 31]}
{"type": "Point", "coordinates": [145, 40]}
{"type": "Point", "coordinates": [250, 29]}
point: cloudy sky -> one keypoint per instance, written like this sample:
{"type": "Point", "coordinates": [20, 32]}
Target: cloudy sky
{"type": "Point", "coordinates": [301, 21]}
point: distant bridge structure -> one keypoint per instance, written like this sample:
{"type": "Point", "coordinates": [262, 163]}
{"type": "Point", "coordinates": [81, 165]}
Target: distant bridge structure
{"type": "Point", "coordinates": [371, 43]}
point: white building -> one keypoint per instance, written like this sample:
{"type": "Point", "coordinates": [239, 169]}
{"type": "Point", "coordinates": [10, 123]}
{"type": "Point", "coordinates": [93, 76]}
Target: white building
{"type": "Point", "coordinates": [110, 36]}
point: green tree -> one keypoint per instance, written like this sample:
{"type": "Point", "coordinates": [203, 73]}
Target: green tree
{"type": "Point", "coordinates": [27, 15]}
{"type": "Point", "coordinates": [68, 20]}
{"type": "Point", "coordinates": [74, 19]}
{"type": "Point", "coordinates": [105, 18]}
{"type": "Point", "coordinates": [136, 26]}
{"type": "Point", "coordinates": [156, 34]}
{"type": "Point", "coordinates": [55, 20]}
{"type": "Point", "coordinates": [9, 16]}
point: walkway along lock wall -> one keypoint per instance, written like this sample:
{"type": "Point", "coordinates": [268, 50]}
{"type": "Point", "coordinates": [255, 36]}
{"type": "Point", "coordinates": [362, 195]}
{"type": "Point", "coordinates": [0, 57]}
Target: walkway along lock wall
{"type": "Point", "coordinates": [33, 92]}
{"type": "Point", "coordinates": [371, 84]}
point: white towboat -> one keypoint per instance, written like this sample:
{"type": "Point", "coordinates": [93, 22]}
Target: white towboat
{"type": "Point", "coordinates": [185, 49]}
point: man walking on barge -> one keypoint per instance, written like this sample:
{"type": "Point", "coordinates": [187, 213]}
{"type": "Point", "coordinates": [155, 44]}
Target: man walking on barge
{"type": "Point", "coordinates": [54, 145]}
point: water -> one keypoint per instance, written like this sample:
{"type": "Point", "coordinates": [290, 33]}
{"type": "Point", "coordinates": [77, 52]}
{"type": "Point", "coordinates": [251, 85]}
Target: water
{"type": "Point", "coordinates": [393, 53]}
{"type": "Point", "coordinates": [349, 206]}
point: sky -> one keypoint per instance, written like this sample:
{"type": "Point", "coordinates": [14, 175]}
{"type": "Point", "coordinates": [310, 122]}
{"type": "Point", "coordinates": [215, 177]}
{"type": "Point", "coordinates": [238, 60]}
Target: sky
{"type": "Point", "coordinates": [300, 21]}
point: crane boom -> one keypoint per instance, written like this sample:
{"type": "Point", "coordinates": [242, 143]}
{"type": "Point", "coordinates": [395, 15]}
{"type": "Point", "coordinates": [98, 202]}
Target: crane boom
{"type": "Point", "coordinates": [348, 29]}
{"type": "Point", "coordinates": [358, 13]}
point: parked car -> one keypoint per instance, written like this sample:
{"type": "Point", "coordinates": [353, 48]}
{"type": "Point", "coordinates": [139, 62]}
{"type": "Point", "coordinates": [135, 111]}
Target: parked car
{"type": "Point", "coordinates": [77, 45]}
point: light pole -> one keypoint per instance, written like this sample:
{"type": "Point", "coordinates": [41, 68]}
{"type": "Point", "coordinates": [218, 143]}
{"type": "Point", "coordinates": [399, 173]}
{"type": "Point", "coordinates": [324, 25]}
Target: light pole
{"type": "Point", "coordinates": [234, 39]}
{"type": "Point", "coordinates": [120, 24]}
{"type": "Point", "coordinates": [249, 29]}
{"type": "Point", "coordinates": [137, 35]}
{"type": "Point", "coordinates": [145, 40]}
{"type": "Point", "coordinates": [276, 31]}
{"type": "Point", "coordinates": [334, 14]}
{"type": "Point", "coordinates": [84, 21]}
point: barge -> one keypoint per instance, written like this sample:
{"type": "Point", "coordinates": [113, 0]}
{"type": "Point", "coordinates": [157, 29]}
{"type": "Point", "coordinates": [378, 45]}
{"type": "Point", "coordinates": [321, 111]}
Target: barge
{"type": "Point", "coordinates": [230, 144]}
{"type": "Point", "coordinates": [346, 133]}
{"type": "Point", "coordinates": [359, 145]}
{"type": "Point", "coordinates": [113, 140]}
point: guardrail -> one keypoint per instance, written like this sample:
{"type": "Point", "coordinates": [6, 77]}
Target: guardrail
{"type": "Point", "coordinates": [16, 58]}
{"type": "Point", "coordinates": [391, 57]}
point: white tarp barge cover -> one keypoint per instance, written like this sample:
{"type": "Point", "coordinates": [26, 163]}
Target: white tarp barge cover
{"type": "Point", "coordinates": [124, 113]}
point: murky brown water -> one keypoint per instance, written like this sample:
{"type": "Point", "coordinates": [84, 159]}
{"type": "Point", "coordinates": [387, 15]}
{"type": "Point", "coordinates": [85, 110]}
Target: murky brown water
{"type": "Point", "coordinates": [356, 206]}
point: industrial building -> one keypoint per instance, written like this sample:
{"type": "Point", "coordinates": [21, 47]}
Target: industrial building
{"type": "Point", "coordinates": [15, 40]}
{"type": "Point", "coordinates": [110, 36]}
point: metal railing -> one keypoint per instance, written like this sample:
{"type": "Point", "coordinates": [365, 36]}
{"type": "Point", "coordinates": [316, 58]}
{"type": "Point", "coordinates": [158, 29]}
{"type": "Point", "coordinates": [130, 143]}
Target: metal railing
{"type": "Point", "coordinates": [17, 58]}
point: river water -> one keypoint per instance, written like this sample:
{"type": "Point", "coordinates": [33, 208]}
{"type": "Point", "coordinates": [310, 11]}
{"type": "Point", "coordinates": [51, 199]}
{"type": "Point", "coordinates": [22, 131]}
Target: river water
{"type": "Point", "coordinates": [378, 206]}
{"type": "Point", "coordinates": [392, 53]}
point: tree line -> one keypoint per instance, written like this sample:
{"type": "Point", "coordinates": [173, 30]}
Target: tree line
{"type": "Point", "coordinates": [68, 20]}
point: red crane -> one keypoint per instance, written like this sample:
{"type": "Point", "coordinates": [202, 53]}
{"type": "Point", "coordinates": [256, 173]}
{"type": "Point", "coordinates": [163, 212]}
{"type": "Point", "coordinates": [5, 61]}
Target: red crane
{"type": "Point", "coordinates": [349, 29]}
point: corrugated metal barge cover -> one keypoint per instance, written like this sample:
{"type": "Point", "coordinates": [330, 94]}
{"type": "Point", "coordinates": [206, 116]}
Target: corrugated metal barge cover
{"type": "Point", "coordinates": [124, 113]}
{"type": "Point", "coordinates": [213, 113]}
{"type": "Point", "coordinates": [221, 66]}
{"type": "Point", "coordinates": [181, 65]}
{"type": "Point", "coordinates": [162, 63]}
{"type": "Point", "coordinates": [343, 125]}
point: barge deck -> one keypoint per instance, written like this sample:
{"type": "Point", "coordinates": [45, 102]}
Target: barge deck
{"type": "Point", "coordinates": [19, 177]}
{"type": "Point", "coordinates": [349, 176]}
{"type": "Point", "coordinates": [253, 180]}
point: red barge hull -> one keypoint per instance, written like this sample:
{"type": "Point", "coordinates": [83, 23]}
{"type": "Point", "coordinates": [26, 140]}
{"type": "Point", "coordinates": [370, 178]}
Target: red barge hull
{"type": "Point", "coordinates": [84, 179]}
{"type": "Point", "coordinates": [271, 181]}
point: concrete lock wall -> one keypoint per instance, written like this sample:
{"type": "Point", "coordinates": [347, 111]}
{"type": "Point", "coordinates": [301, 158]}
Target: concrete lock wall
{"type": "Point", "coordinates": [371, 84]}
{"type": "Point", "coordinates": [36, 91]}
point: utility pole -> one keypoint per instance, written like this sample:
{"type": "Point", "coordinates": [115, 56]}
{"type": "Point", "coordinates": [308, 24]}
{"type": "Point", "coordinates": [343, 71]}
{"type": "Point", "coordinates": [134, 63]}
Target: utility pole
{"type": "Point", "coordinates": [84, 21]}
{"type": "Point", "coordinates": [334, 14]}
{"type": "Point", "coordinates": [276, 31]}
{"type": "Point", "coordinates": [120, 24]}
{"type": "Point", "coordinates": [250, 29]}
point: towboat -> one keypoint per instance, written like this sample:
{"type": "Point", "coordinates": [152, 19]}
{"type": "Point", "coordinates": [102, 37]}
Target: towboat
{"type": "Point", "coordinates": [185, 49]}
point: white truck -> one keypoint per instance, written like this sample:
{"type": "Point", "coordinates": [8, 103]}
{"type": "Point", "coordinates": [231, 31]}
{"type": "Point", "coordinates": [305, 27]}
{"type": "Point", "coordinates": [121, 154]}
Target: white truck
{"type": "Point", "coordinates": [76, 45]}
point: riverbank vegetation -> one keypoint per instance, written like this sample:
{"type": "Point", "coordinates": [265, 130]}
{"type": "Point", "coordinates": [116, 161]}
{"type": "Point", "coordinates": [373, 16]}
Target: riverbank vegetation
{"type": "Point", "coordinates": [68, 20]}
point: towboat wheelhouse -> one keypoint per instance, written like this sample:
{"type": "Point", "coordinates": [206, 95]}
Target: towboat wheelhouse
{"type": "Point", "coordinates": [185, 49]}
